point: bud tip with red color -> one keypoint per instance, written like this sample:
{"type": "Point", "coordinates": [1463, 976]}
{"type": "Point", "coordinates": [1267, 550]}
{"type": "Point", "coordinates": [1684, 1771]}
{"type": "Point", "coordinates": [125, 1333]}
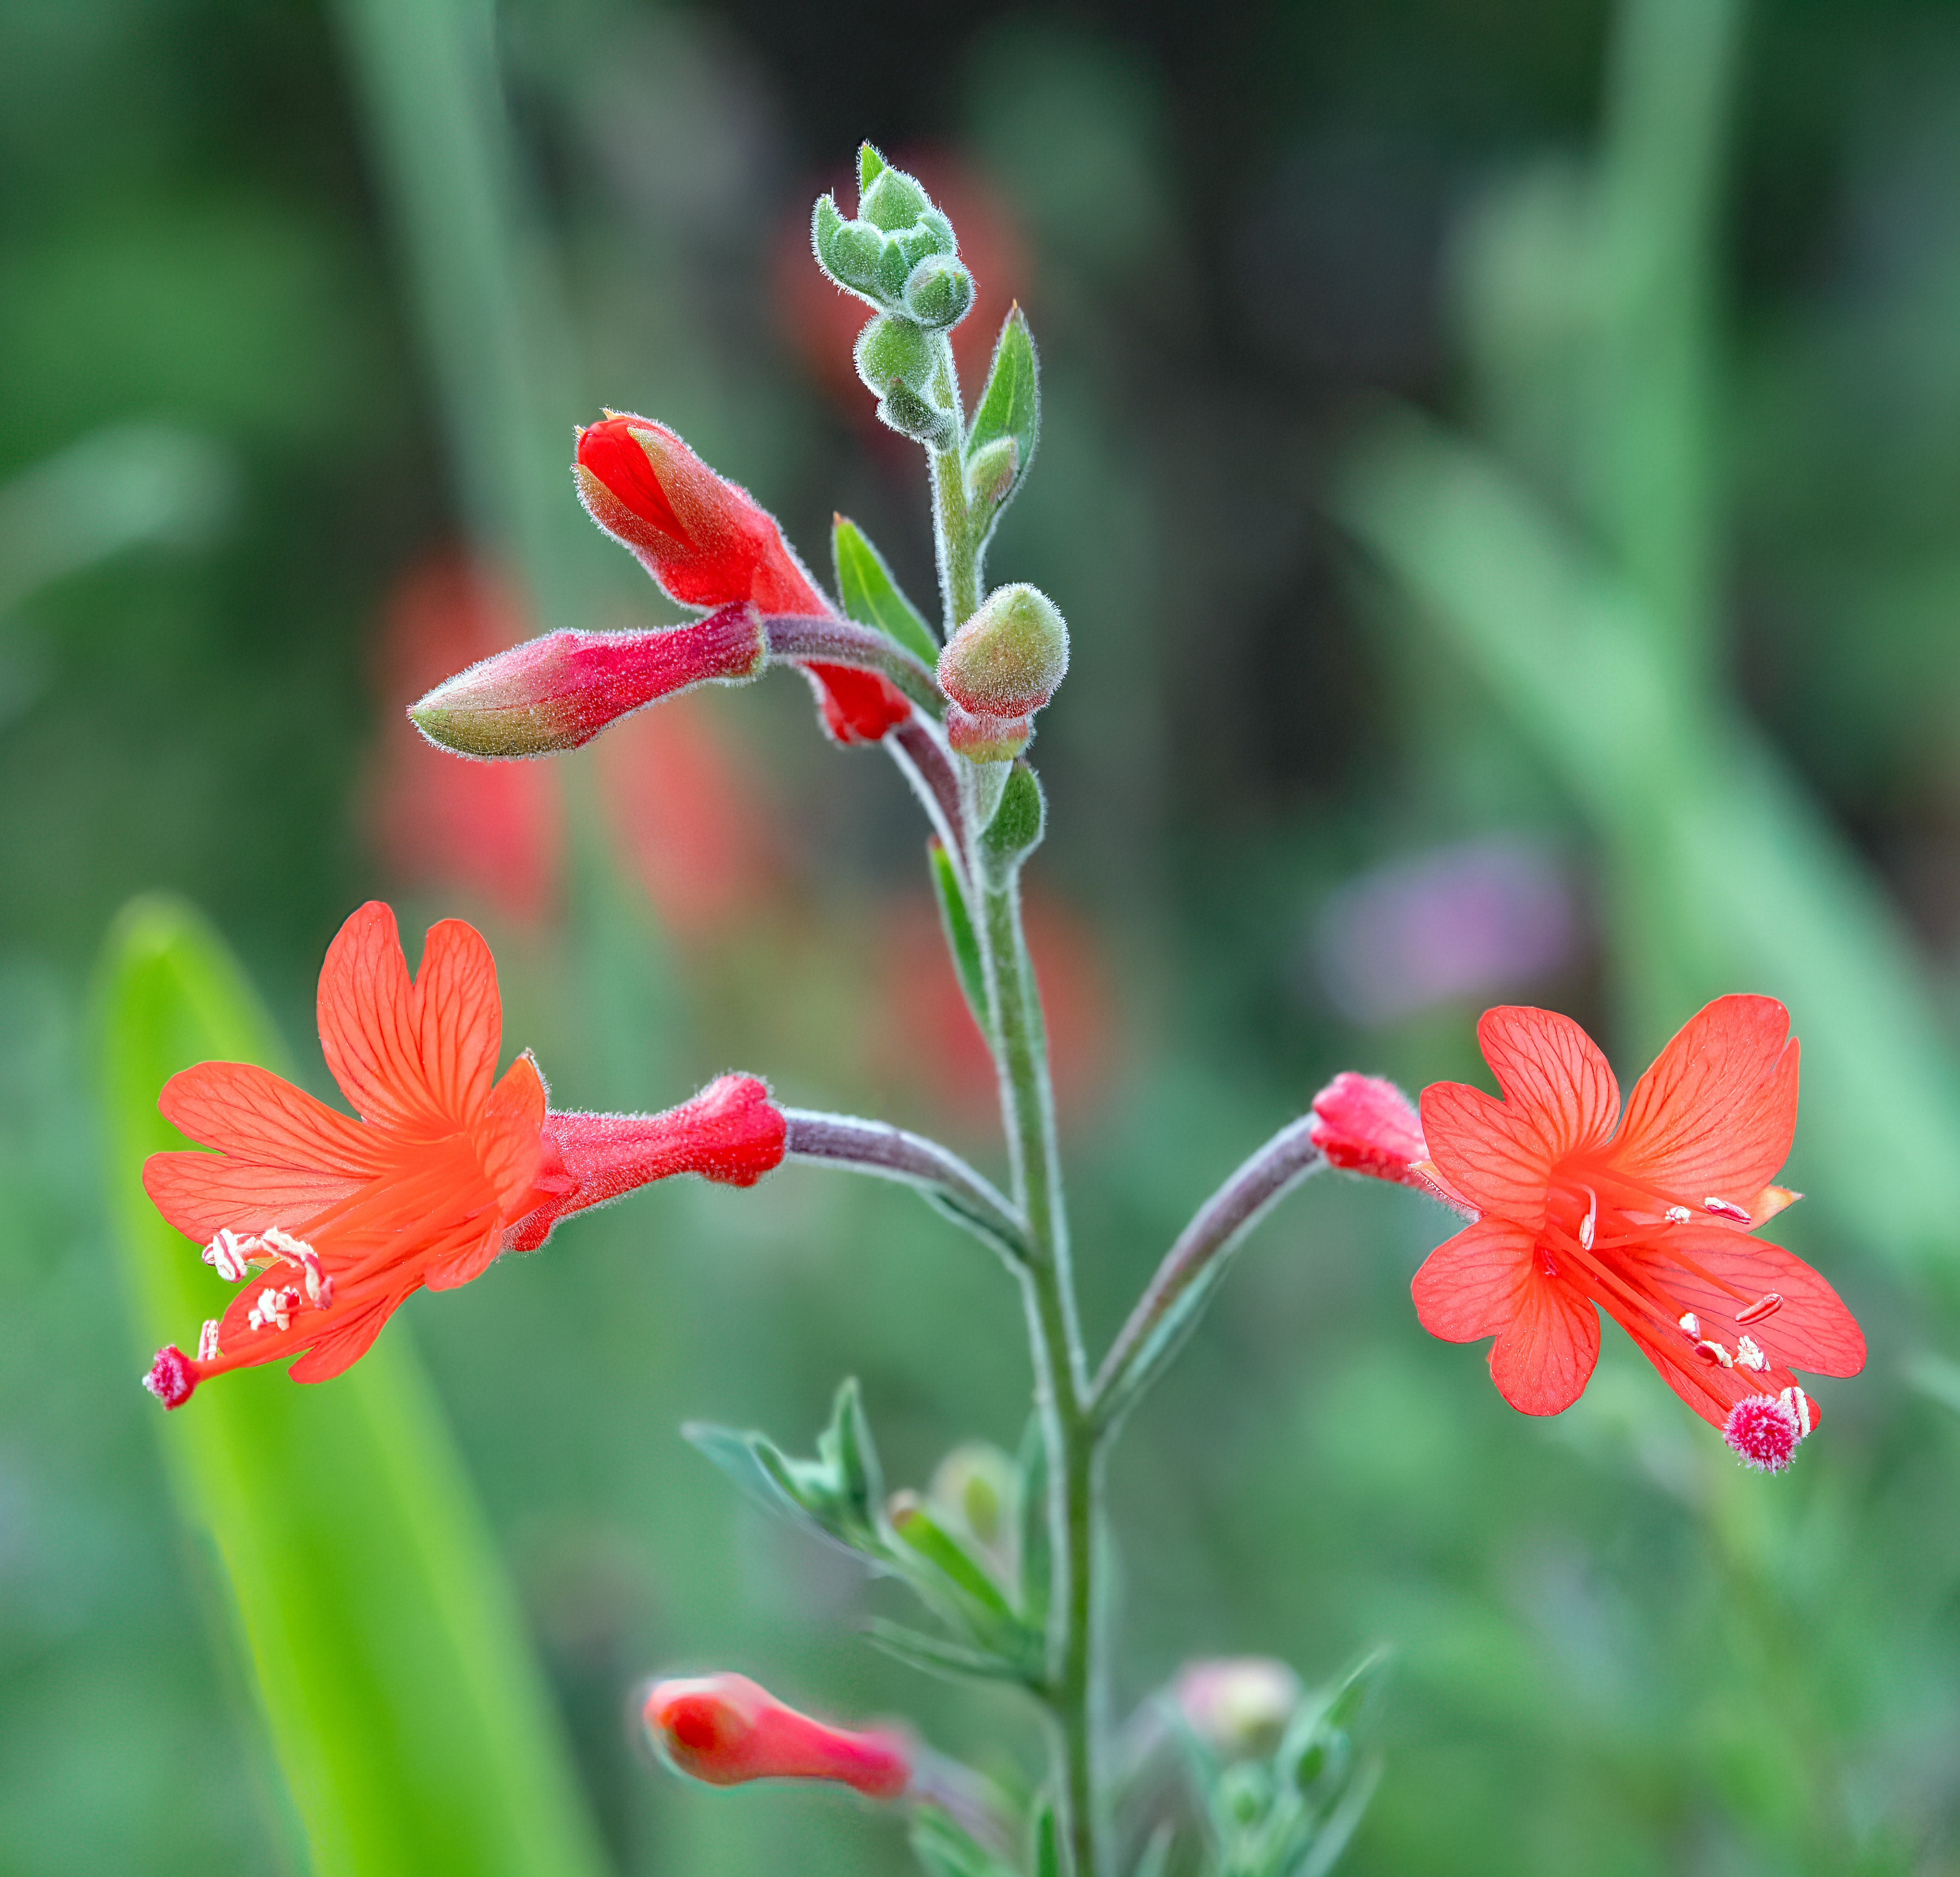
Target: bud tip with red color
{"type": "Point", "coordinates": [1364, 1124]}
{"type": "Point", "coordinates": [725, 1730]}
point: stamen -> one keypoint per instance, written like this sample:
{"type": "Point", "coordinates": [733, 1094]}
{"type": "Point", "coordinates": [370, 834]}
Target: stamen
{"type": "Point", "coordinates": [1590, 1223]}
{"type": "Point", "coordinates": [1727, 1209]}
{"type": "Point", "coordinates": [1691, 1323]}
{"type": "Point", "coordinates": [1677, 1215]}
{"type": "Point", "coordinates": [275, 1305]}
{"type": "Point", "coordinates": [207, 1341]}
{"type": "Point", "coordinates": [226, 1253]}
{"type": "Point", "coordinates": [1714, 1352]}
{"type": "Point", "coordinates": [1794, 1398]}
{"type": "Point", "coordinates": [1767, 1305]}
{"type": "Point", "coordinates": [1749, 1356]}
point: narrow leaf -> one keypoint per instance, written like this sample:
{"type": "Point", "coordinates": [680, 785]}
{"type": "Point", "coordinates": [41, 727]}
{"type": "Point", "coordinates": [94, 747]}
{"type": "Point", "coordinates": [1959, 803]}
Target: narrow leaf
{"type": "Point", "coordinates": [393, 1668]}
{"type": "Point", "coordinates": [1010, 408]}
{"type": "Point", "coordinates": [961, 939]}
{"type": "Point", "coordinates": [870, 596]}
{"type": "Point", "coordinates": [936, 1655]}
{"type": "Point", "coordinates": [923, 1534]}
{"type": "Point", "coordinates": [1046, 1858]}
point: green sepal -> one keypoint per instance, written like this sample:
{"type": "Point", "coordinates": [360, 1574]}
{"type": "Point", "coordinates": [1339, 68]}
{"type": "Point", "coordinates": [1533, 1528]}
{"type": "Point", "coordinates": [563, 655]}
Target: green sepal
{"type": "Point", "coordinates": [916, 1527]}
{"type": "Point", "coordinates": [1010, 407]}
{"type": "Point", "coordinates": [961, 939]}
{"type": "Point", "coordinates": [871, 167]}
{"type": "Point", "coordinates": [1016, 829]}
{"type": "Point", "coordinates": [870, 596]}
{"type": "Point", "coordinates": [892, 201]}
{"type": "Point", "coordinates": [845, 1449]}
{"type": "Point", "coordinates": [944, 1849]}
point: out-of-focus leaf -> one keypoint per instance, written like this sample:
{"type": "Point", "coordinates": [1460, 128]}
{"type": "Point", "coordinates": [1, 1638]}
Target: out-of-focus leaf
{"type": "Point", "coordinates": [937, 1657]}
{"type": "Point", "coordinates": [871, 596]}
{"type": "Point", "coordinates": [945, 1851]}
{"type": "Point", "coordinates": [1751, 888]}
{"type": "Point", "coordinates": [392, 1665]}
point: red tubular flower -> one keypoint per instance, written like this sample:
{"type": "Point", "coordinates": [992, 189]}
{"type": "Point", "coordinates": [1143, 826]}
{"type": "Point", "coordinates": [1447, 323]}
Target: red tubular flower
{"type": "Point", "coordinates": [725, 1730]}
{"type": "Point", "coordinates": [708, 543]}
{"type": "Point", "coordinates": [1364, 1124]}
{"type": "Point", "coordinates": [330, 1222]}
{"type": "Point", "coordinates": [1649, 1217]}
{"type": "Point", "coordinates": [560, 691]}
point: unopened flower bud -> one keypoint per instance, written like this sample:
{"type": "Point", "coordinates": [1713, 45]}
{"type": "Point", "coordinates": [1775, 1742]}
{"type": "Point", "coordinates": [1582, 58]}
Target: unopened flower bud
{"type": "Point", "coordinates": [561, 690]}
{"type": "Point", "coordinates": [903, 410]}
{"type": "Point", "coordinates": [1008, 658]}
{"type": "Point", "coordinates": [1364, 1124]}
{"type": "Point", "coordinates": [892, 351]}
{"type": "Point", "coordinates": [939, 292]}
{"type": "Point", "coordinates": [990, 471]}
{"type": "Point", "coordinates": [893, 201]}
{"type": "Point", "coordinates": [725, 1730]}
{"type": "Point", "coordinates": [1240, 1706]}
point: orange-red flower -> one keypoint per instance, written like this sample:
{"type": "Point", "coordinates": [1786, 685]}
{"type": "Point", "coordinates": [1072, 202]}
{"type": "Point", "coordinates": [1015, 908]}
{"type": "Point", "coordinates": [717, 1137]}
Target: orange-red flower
{"type": "Point", "coordinates": [329, 1223]}
{"type": "Point", "coordinates": [1649, 1217]}
{"type": "Point", "coordinates": [727, 1730]}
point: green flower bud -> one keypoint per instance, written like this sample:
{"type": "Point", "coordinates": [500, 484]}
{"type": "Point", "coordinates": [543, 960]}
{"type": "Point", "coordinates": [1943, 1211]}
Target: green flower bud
{"type": "Point", "coordinates": [851, 252]}
{"type": "Point", "coordinates": [939, 292]}
{"type": "Point", "coordinates": [893, 201]}
{"type": "Point", "coordinates": [894, 352]}
{"type": "Point", "coordinates": [903, 410]}
{"type": "Point", "coordinates": [990, 471]}
{"type": "Point", "coordinates": [1006, 661]}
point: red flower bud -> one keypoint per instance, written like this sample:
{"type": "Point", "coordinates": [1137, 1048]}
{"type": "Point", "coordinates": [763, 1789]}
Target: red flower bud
{"type": "Point", "coordinates": [731, 1133]}
{"type": "Point", "coordinates": [981, 738]}
{"type": "Point", "coordinates": [707, 542]}
{"type": "Point", "coordinates": [560, 691]}
{"type": "Point", "coordinates": [1006, 661]}
{"type": "Point", "coordinates": [1365, 1125]}
{"type": "Point", "coordinates": [725, 1730]}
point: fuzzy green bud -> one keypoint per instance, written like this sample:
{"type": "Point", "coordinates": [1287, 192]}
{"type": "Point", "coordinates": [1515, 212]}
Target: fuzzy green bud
{"type": "Point", "coordinates": [894, 200]}
{"type": "Point", "coordinates": [939, 292]}
{"type": "Point", "coordinates": [894, 352]}
{"type": "Point", "coordinates": [1006, 661]}
{"type": "Point", "coordinates": [902, 409]}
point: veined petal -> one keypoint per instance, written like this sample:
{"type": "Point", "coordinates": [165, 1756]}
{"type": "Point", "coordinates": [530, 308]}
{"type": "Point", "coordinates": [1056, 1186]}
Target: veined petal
{"type": "Point", "coordinates": [1811, 1330]}
{"type": "Point", "coordinates": [459, 1019]}
{"type": "Point", "coordinates": [1553, 1075]}
{"type": "Point", "coordinates": [199, 1192]}
{"type": "Point", "coordinates": [1713, 1118]}
{"type": "Point", "coordinates": [1494, 1158]}
{"type": "Point", "coordinates": [472, 1261]}
{"type": "Point", "coordinates": [343, 1346]}
{"type": "Point", "coordinates": [1467, 1286]}
{"type": "Point", "coordinates": [510, 1137]}
{"type": "Point", "coordinates": [1543, 1358]}
{"type": "Point", "coordinates": [367, 1028]}
{"type": "Point", "coordinates": [250, 1112]}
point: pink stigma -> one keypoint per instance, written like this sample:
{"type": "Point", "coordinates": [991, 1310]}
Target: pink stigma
{"type": "Point", "coordinates": [171, 1378]}
{"type": "Point", "coordinates": [1763, 1433]}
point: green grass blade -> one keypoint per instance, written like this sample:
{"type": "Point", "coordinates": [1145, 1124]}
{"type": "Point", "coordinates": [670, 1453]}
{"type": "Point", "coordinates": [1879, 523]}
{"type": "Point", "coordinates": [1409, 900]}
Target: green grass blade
{"type": "Point", "coordinates": [392, 1665]}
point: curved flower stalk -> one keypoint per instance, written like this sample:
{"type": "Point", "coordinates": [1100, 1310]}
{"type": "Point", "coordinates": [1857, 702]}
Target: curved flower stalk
{"type": "Point", "coordinates": [328, 1224]}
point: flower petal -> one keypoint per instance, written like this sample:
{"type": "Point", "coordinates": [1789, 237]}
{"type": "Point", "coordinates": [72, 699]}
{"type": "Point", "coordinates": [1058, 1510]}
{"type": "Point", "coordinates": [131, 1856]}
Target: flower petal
{"type": "Point", "coordinates": [367, 1028]}
{"type": "Point", "coordinates": [199, 1192]}
{"type": "Point", "coordinates": [1544, 1357]}
{"type": "Point", "coordinates": [1811, 1330]}
{"type": "Point", "coordinates": [341, 1347]}
{"type": "Point", "coordinates": [1467, 1286]}
{"type": "Point", "coordinates": [1488, 1153]}
{"type": "Point", "coordinates": [1552, 1074]}
{"type": "Point", "coordinates": [472, 1261]}
{"type": "Point", "coordinates": [1713, 1118]}
{"type": "Point", "coordinates": [459, 1019]}
{"type": "Point", "coordinates": [262, 1118]}
{"type": "Point", "coordinates": [510, 1137]}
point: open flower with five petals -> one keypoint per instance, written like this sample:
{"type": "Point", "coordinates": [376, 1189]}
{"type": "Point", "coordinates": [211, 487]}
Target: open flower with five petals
{"type": "Point", "coordinates": [1650, 1216]}
{"type": "Point", "coordinates": [329, 1223]}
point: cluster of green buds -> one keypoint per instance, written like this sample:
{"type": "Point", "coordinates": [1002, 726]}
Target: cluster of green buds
{"type": "Point", "coordinates": [900, 255]}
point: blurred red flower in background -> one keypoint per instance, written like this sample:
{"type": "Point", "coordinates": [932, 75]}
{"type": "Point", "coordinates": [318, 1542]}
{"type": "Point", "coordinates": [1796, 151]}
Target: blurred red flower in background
{"type": "Point", "coordinates": [492, 829]}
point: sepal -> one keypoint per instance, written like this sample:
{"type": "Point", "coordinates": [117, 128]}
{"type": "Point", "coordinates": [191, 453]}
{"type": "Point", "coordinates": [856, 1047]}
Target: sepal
{"type": "Point", "coordinates": [1006, 426]}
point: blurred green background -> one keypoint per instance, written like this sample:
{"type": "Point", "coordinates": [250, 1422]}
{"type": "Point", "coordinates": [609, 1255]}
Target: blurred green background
{"type": "Point", "coordinates": [1501, 466]}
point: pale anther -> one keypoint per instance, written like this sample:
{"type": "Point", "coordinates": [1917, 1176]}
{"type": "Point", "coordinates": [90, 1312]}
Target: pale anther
{"type": "Point", "coordinates": [275, 1305]}
{"type": "Point", "coordinates": [1714, 1352]}
{"type": "Point", "coordinates": [207, 1341]}
{"type": "Point", "coordinates": [1767, 1305]}
{"type": "Point", "coordinates": [227, 1251]}
{"type": "Point", "coordinates": [1677, 1215]}
{"type": "Point", "coordinates": [1749, 1355]}
{"type": "Point", "coordinates": [1799, 1403]}
{"type": "Point", "coordinates": [1691, 1322]}
{"type": "Point", "coordinates": [1727, 1209]}
{"type": "Point", "coordinates": [1590, 1223]}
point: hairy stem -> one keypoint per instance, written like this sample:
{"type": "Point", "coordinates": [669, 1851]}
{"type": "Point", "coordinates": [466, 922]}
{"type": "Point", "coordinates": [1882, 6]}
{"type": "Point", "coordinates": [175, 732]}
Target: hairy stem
{"type": "Point", "coordinates": [1191, 1269]}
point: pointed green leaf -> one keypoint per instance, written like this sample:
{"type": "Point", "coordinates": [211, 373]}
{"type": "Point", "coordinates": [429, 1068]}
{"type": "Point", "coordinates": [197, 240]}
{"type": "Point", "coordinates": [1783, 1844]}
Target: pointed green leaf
{"type": "Point", "coordinates": [759, 1471]}
{"type": "Point", "coordinates": [961, 939]}
{"type": "Point", "coordinates": [846, 1449]}
{"type": "Point", "coordinates": [937, 1657]}
{"type": "Point", "coordinates": [947, 1850]}
{"type": "Point", "coordinates": [391, 1661]}
{"type": "Point", "coordinates": [1045, 1859]}
{"type": "Point", "coordinates": [871, 596]}
{"type": "Point", "coordinates": [1009, 410]}
{"type": "Point", "coordinates": [923, 1534]}
{"type": "Point", "coordinates": [871, 167]}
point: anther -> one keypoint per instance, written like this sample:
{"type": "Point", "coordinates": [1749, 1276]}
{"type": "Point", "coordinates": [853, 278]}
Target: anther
{"type": "Point", "coordinates": [1798, 1404]}
{"type": "Point", "coordinates": [1677, 1215]}
{"type": "Point", "coordinates": [207, 1341]}
{"type": "Point", "coordinates": [1714, 1352]}
{"type": "Point", "coordinates": [275, 1305]}
{"type": "Point", "coordinates": [1767, 1305]}
{"type": "Point", "coordinates": [1727, 1209]}
{"type": "Point", "coordinates": [1590, 1224]}
{"type": "Point", "coordinates": [1749, 1356]}
{"type": "Point", "coordinates": [226, 1253]}
{"type": "Point", "coordinates": [1691, 1323]}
